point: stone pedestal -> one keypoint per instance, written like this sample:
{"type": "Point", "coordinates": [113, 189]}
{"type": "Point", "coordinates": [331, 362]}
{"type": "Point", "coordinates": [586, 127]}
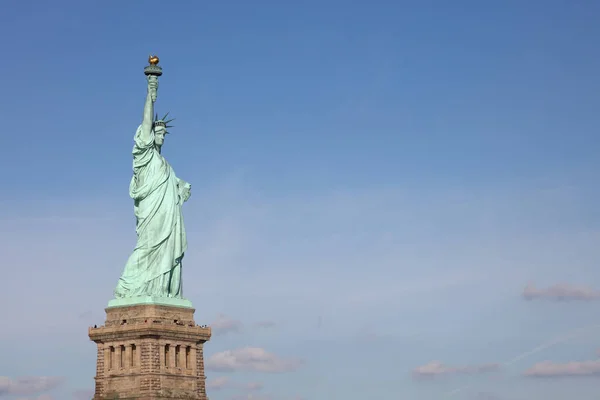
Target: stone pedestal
{"type": "Point", "coordinates": [150, 352]}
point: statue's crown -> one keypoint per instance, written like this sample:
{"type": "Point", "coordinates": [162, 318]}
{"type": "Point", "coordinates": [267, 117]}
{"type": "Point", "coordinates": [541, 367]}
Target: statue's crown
{"type": "Point", "coordinates": [164, 122]}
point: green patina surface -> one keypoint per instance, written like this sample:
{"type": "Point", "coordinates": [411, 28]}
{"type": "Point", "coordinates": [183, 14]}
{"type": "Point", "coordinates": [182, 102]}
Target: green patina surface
{"type": "Point", "coordinates": [153, 273]}
{"type": "Point", "coordinates": [165, 301]}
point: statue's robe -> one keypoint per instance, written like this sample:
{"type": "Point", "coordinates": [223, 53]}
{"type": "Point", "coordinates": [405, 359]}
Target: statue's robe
{"type": "Point", "coordinates": [154, 267]}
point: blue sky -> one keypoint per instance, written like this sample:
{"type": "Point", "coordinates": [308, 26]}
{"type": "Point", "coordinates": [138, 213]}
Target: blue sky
{"type": "Point", "coordinates": [374, 185]}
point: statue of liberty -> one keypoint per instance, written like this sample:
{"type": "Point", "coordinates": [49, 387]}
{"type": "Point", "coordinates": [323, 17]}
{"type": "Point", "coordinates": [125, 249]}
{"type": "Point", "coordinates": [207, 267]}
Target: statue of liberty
{"type": "Point", "coordinates": [154, 268]}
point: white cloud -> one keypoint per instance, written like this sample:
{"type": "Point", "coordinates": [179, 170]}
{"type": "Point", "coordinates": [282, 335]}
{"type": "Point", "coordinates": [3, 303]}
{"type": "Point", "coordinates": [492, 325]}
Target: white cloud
{"type": "Point", "coordinates": [251, 359]}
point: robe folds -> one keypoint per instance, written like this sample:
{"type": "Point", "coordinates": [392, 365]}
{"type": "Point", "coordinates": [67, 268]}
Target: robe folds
{"type": "Point", "coordinates": [154, 267]}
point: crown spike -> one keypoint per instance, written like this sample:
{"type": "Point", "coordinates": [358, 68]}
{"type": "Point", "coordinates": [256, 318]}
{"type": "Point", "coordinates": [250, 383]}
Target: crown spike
{"type": "Point", "coordinates": [163, 122]}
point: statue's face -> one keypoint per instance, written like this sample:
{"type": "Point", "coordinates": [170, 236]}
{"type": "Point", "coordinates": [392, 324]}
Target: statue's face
{"type": "Point", "coordinates": [159, 135]}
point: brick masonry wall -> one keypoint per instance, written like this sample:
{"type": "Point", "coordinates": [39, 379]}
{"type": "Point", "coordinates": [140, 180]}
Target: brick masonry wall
{"type": "Point", "coordinates": [148, 327]}
{"type": "Point", "coordinates": [150, 364]}
{"type": "Point", "coordinates": [201, 378]}
{"type": "Point", "coordinates": [100, 371]}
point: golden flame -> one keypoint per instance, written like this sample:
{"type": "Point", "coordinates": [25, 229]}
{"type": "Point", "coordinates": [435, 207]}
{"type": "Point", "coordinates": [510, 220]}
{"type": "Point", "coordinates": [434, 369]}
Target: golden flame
{"type": "Point", "coordinates": [153, 60]}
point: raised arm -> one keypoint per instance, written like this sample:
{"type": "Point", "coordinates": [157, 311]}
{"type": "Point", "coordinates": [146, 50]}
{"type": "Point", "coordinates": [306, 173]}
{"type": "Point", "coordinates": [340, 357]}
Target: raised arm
{"type": "Point", "coordinates": [148, 117]}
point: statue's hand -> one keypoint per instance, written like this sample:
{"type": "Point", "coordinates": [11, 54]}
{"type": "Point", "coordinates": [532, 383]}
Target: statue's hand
{"type": "Point", "coordinates": [152, 86]}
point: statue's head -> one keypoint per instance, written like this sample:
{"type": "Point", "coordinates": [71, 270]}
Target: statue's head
{"type": "Point", "coordinates": [160, 129]}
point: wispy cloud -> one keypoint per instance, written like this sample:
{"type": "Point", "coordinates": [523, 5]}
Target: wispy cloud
{"type": "Point", "coordinates": [252, 396]}
{"type": "Point", "coordinates": [218, 383]}
{"type": "Point", "coordinates": [561, 292]}
{"type": "Point", "coordinates": [40, 397]}
{"type": "Point", "coordinates": [223, 325]}
{"type": "Point", "coordinates": [83, 394]}
{"type": "Point", "coordinates": [251, 359]}
{"type": "Point", "coordinates": [265, 324]}
{"type": "Point", "coordinates": [486, 396]}
{"type": "Point", "coordinates": [436, 368]}
{"type": "Point", "coordinates": [224, 382]}
{"type": "Point", "coordinates": [549, 369]}
{"type": "Point", "coordinates": [542, 347]}
{"type": "Point", "coordinates": [252, 386]}
{"type": "Point", "coordinates": [28, 385]}
{"type": "Point", "coordinates": [301, 262]}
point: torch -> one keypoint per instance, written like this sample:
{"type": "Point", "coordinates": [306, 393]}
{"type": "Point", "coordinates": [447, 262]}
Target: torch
{"type": "Point", "coordinates": [153, 70]}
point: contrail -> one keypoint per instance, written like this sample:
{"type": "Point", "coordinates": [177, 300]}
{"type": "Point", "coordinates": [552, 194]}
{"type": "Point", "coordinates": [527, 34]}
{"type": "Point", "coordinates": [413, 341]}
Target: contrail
{"type": "Point", "coordinates": [542, 347]}
{"type": "Point", "coordinates": [552, 343]}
